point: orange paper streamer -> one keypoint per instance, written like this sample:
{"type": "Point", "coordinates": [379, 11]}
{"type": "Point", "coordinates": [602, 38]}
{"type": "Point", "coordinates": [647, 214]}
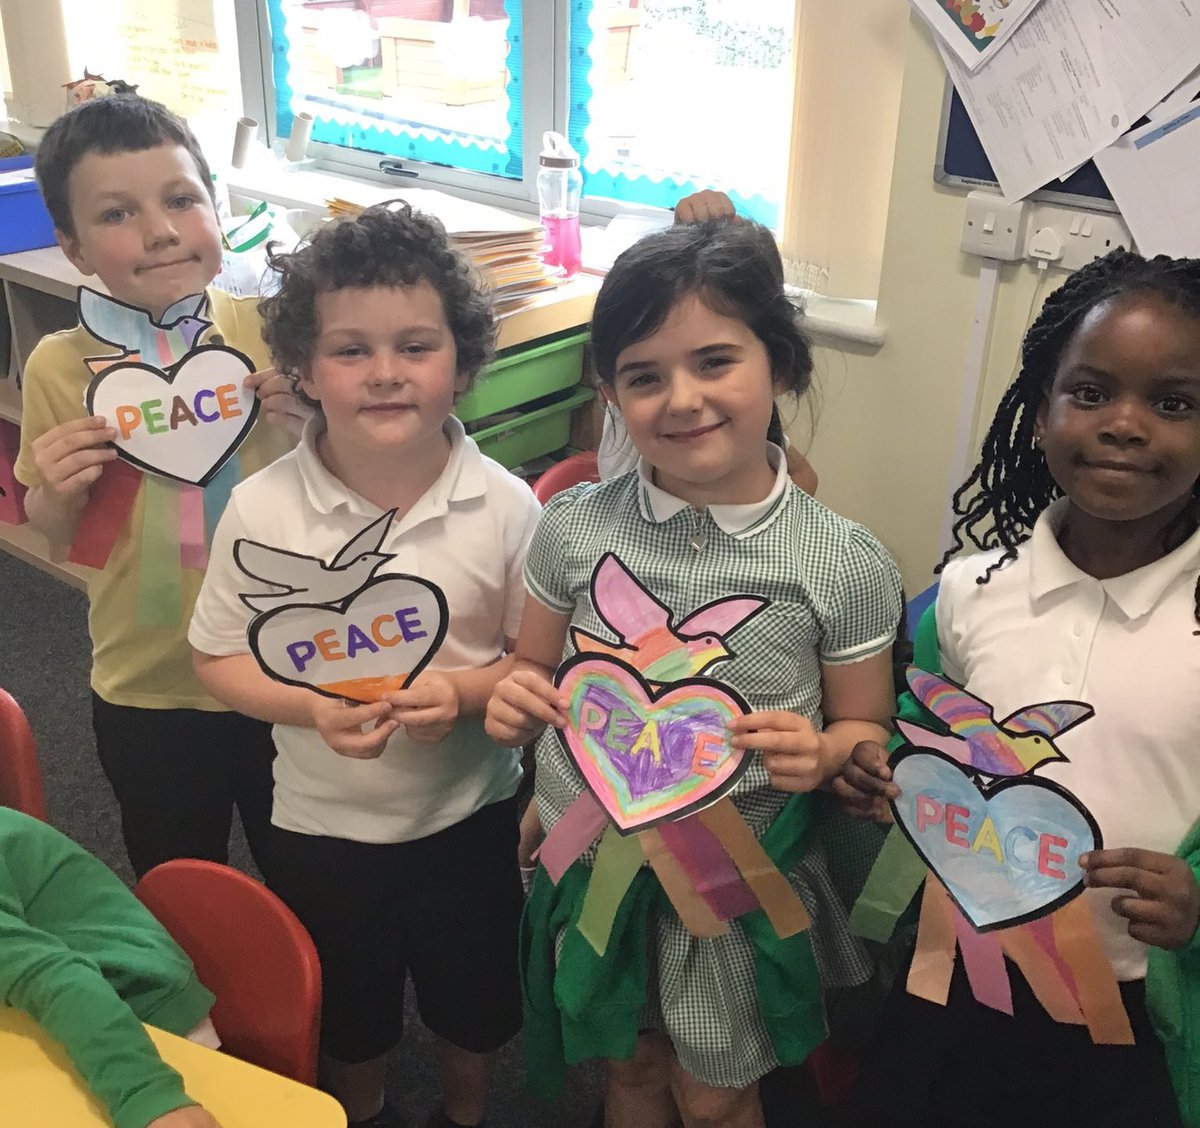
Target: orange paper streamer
{"type": "Point", "coordinates": [933, 958]}
{"type": "Point", "coordinates": [1096, 984]}
{"type": "Point", "coordinates": [693, 910]}
{"type": "Point", "coordinates": [778, 899]}
{"type": "Point", "coordinates": [1041, 973]}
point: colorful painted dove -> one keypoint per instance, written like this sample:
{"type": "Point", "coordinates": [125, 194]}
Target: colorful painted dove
{"type": "Point", "coordinates": [646, 640]}
{"type": "Point", "coordinates": [1014, 746]}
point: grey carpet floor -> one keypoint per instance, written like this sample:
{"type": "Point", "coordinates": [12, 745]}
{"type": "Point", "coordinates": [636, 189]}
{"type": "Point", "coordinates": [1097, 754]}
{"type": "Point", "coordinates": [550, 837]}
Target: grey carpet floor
{"type": "Point", "coordinates": [44, 664]}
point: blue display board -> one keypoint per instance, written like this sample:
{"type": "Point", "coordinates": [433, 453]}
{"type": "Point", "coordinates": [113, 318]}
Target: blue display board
{"type": "Point", "coordinates": [962, 162]}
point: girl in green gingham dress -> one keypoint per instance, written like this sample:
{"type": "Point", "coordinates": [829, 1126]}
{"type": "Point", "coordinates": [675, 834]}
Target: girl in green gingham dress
{"type": "Point", "coordinates": [693, 338]}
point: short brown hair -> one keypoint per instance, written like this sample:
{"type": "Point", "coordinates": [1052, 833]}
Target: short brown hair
{"type": "Point", "coordinates": [118, 123]}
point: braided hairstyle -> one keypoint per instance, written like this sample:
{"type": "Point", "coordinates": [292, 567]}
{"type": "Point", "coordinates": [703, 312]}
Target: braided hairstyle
{"type": "Point", "coordinates": [999, 503]}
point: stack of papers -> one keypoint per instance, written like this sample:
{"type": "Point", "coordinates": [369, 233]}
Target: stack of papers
{"type": "Point", "coordinates": [1061, 80]}
{"type": "Point", "coordinates": [504, 248]}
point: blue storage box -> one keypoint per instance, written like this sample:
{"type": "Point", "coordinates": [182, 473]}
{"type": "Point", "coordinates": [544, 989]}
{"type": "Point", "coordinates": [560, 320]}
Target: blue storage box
{"type": "Point", "coordinates": [24, 221]}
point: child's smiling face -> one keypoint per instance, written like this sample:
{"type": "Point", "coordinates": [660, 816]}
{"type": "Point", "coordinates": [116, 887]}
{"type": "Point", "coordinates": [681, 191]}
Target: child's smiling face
{"type": "Point", "coordinates": [384, 368]}
{"type": "Point", "coordinates": [1120, 426]}
{"type": "Point", "coordinates": [145, 223]}
{"type": "Point", "coordinates": [696, 397]}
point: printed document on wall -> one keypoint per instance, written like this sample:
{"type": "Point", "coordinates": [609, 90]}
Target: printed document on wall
{"type": "Point", "coordinates": [1045, 104]}
{"type": "Point", "coordinates": [974, 29]}
{"type": "Point", "coordinates": [1150, 47]}
{"type": "Point", "coordinates": [1152, 174]}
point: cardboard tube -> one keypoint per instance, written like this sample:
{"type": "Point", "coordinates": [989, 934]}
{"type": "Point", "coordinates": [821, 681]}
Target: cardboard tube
{"type": "Point", "coordinates": [297, 147]}
{"type": "Point", "coordinates": [243, 138]}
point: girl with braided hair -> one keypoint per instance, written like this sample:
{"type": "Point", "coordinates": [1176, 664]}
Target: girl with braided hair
{"type": "Point", "coordinates": [1085, 505]}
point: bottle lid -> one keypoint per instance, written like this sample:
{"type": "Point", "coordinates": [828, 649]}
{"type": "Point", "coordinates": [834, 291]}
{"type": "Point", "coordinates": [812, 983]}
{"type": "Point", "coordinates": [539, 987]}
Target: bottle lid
{"type": "Point", "coordinates": [557, 152]}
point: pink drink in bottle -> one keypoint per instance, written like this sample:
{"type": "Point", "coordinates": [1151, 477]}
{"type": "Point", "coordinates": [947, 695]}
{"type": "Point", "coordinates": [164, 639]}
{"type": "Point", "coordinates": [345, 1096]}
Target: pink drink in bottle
{"type": "Point", "coordinates": [560, 184]}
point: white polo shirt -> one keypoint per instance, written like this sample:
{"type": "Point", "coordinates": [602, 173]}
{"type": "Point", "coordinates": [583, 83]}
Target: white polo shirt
{"type": "Point", "coordinates": [1042, 630]}
{"type": "Point", "coordinates": [468, 534]}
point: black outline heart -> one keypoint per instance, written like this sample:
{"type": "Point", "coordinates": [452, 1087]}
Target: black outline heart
{"type": "Point", "coordinates": [341, 608]}
{"type": "Point", "coordinates": [987, 791]}
{"type": "Point", "coordinates": [709, 797]}
{"type": "Point", "coordinates": [168, 376]}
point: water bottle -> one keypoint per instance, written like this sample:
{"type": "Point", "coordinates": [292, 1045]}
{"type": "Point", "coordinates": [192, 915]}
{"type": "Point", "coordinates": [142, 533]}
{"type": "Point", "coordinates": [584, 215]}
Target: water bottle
{"type": "Point", "coordinates": [559, 184]}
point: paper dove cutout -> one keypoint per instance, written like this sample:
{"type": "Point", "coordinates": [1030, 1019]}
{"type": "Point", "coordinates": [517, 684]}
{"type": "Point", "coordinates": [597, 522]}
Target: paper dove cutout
{"type": "Point", "coordinates": [646, 640]}
{"type": "Point", "coordinates": [309, 579]}
{"type": "Point", "coordinates": [1014, 746]}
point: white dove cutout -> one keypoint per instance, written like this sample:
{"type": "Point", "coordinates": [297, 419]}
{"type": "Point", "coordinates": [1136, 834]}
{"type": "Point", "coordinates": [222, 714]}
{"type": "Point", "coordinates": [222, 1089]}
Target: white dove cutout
{"type": "Point", "coordinates": [307, 579]}
{"type": "Point", "coordinates": [336, 627]}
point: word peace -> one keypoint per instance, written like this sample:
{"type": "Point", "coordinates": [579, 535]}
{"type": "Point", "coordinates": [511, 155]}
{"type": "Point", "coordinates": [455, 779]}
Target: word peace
{"type": "Point", "coordinates": [328, 642]}
{"type": "Point", "coordinates": [129, 417]}
{"type": "Point", "coordinates": [1023, 849]}
{"type": "Point", "coordinates": [375, 641]}
{"type": "Point", "coordinates": [648, 756]}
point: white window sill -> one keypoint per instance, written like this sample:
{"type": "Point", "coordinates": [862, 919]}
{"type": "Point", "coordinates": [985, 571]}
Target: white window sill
{"type": "Point", "coordinates": [839, 320]}
{"type": "Point", "coordinates": [828, 320]}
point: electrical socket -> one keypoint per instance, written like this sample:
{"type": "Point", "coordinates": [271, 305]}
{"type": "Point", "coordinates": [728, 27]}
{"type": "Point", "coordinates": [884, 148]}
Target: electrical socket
{"type": "Point", "coordinates": [992, 228]}
{"type": "Point", "coordinates": [1085, 235]}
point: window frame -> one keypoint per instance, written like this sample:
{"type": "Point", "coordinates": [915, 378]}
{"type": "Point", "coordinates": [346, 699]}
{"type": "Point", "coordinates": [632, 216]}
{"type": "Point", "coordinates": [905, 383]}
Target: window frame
{"type": "Point", "coordinates": [546, 107]}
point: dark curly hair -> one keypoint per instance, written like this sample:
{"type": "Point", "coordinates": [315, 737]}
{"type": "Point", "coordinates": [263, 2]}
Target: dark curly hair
{"type": "Point", "coordinates": [1000, 502]}
{"type": "Point", "coordinates": [118, 123]}
{"type": "Point", "coordinates": [734, 268]}
{"type": "Point", "coordinates": [385, 245]}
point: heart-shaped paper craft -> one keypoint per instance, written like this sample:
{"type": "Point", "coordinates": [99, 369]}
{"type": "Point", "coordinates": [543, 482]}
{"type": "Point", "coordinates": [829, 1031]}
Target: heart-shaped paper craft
{"type": "Point", "coordinates": [184, 422]}
{"type": "Point", "coordinates": [649, 757]}
{"type": "Point", "coordinates": [1008, 852]}
{"type": "Point", "coordinates": [374, 642]}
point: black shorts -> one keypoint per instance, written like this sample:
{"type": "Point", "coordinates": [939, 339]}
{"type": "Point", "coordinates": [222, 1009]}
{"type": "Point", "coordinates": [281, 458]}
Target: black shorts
{"type": "Point", "coordinates": [444, 909]}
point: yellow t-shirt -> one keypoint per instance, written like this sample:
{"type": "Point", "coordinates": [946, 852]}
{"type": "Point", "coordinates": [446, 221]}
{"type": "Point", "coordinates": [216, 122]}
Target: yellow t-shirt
{"type": "Point", "coordinates": [146, 667]}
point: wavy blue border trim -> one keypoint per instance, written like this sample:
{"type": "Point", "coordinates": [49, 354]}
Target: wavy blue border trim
{"type": "Point", "coordinates": [467, 153]}
{"type": "Point", "coordinates": [615, 184]}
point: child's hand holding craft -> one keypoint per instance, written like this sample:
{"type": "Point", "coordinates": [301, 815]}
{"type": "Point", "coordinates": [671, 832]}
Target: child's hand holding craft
{"type": "Point", "coordinates": [790, 745]}
{"type": "Point", "coordinates": [1164, 908]}
{"type": "Point", "coordinates": [864, 784]}
{"type": "Point", "coordinates": [277, 394]}
{"type": "Point", "coordinates": [427, 709]}
{"type": "Point", "coordinates": [70, 457]}
{"type": "Point", "coordinates": [341, 726]}
{"type": "Point", "coordinates": [522, 705]}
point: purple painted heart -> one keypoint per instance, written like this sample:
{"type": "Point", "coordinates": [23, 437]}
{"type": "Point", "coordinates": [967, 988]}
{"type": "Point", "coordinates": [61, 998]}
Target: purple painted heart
{"type": "Point", "coordinates": [649, 757]}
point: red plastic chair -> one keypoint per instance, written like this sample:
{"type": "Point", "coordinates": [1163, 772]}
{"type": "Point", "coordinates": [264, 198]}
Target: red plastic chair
{"type": "Point", "coordinates": [569, 472]}
{"type": "Point", "coordinates": [20, 773]}
{"type": "Point", "coordinates": [252, 953]}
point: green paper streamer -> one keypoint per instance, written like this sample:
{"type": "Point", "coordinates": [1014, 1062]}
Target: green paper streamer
{"type": "Point", "coordinates": [160, 591]}
{"type": "Point", "coordinates": [618, 860]}
{"type": "Point", "coordinates": [890, 887]}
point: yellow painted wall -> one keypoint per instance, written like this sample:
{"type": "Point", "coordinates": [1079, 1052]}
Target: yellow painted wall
{"type": "Point", "coordinates": [886, 417]}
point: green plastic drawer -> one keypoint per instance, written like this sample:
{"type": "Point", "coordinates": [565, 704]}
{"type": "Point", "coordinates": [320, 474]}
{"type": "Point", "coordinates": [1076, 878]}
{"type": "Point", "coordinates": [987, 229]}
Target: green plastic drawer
{"type": "Point", "coordinates": [523, 375]}
{"type": "Point", "coordinates": [547, 429]}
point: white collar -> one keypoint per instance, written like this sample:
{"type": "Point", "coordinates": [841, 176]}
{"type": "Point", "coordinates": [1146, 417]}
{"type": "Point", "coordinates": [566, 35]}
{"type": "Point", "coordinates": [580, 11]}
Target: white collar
{"type": "Point", "coordinates": [737, 520]}
{"type": "Point", "coordinates": [462, 479]}
{"type": "Point", "coordinates": [1136, 593]}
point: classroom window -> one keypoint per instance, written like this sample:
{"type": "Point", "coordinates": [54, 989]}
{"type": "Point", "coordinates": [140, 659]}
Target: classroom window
{"type": "Point", "coordinates": [437, 81]}
{"type": "Point", "coordinates": [670, 96]}
{"type": "Point", "coordinates": [660, 97]}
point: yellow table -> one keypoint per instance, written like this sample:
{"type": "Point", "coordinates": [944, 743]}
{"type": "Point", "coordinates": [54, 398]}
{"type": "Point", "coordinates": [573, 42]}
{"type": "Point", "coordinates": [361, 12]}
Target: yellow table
{"type": "Point", "coordinates": [40, 1089]}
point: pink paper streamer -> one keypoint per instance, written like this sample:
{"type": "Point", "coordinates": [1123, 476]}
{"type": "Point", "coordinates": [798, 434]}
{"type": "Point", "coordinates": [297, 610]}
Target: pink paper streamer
{"type": "Point", "coordinates": [193, 550]}
{"type": "Point", "coordinates": [712, 871]}
{"type": "Point", "coordinates": [1043, 933]}
{"type": "Point", "coordinates": [983, 959]}
{"type": "Point", "coordinates": [577, 828]}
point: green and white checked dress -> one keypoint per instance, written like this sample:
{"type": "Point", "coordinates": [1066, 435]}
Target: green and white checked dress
{"type": "Point", "coordinates": [835, 597]}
